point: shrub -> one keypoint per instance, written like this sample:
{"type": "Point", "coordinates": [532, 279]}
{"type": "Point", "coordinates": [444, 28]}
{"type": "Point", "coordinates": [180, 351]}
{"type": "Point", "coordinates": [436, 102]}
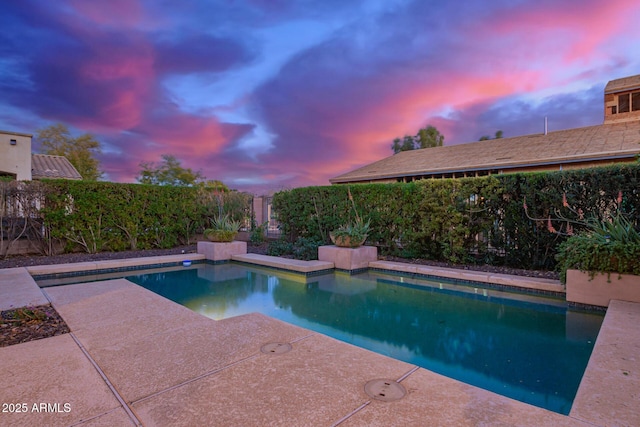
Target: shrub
{"type": "Point", "coordinates": [607, 247]}
{"type": "Point", "coordinates": [96, 216]}
{"type": "Point", "coordinates": [303, 248]}
{"type": "Point", "coordinates": [258, 233]}
{"type": "Point", "coordinates": [461, 220]}
{"type": "Point", "coordinates": [306, 249]}
{"type": "Point", "coordinates": [280, 247]}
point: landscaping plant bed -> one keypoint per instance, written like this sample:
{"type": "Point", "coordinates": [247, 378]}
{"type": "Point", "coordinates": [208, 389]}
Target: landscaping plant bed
{"type": "Point", "coordinates": [25, 324]}
{"type": "Point", "coordinates": [496, 269]}
{"type": "Point", "coordinates": [30, 260]}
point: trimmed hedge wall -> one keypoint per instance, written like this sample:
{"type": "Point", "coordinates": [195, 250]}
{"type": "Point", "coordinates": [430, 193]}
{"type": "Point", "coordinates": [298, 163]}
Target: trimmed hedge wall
{"type": "Point", "coordinates": [465, 220]}
{"type": "Point", "coordinates": [100, 216]}
{"type": "Point", "coordinates": [106, 216]}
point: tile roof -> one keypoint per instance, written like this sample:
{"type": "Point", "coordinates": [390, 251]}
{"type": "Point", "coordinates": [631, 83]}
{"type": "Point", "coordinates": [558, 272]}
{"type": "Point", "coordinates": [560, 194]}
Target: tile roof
{"type": "Point", "coordinates": [46, 166]}
{"type": "Point", "coordinates": [607, 141]}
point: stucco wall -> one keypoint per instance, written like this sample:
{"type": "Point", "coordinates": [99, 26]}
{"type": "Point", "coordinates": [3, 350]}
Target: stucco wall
{"type": "Point", "coordinates": [602, 288]}
{"type": "Point", "coordinates": [15, 159]}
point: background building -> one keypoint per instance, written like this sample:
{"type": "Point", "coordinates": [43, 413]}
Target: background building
{"type": "Point", "coordinates": [17, 162]}
{"type": "Point", "coordinates": [15, 155]}
{"type": "Point", "coordinates": [617, 140]}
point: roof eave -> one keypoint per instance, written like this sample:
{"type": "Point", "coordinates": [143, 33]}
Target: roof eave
{"type": "Point", "coordinates": [619, 90]}
{"type": "Point", "coordinates": [548, 162]}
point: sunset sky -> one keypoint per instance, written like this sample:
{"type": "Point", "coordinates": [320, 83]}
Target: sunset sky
{"type": "Point", "coordinates": [273, 94]}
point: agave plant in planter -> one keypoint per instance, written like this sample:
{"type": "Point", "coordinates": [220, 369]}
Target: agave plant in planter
{"type": "Point", "coordinates": [353, 234]}
{"type": "Point", "coordinates": [223, 229]}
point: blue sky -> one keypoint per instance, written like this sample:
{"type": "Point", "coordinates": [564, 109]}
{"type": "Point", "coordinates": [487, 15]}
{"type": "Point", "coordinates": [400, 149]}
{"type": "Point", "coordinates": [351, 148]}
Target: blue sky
{"type": "Point", "coordinates": [266, 95]}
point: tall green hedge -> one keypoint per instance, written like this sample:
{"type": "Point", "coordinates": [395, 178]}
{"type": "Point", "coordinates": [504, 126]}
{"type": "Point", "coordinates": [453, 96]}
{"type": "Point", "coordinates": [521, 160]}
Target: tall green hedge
{"type": "Point", "coordinates": [101, 216]}
{"type": "Point", "coordinates": [471, 219]}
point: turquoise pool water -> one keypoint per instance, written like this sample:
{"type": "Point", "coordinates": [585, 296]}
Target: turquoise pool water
{"type": "Point", "coordinates": [529, 348]}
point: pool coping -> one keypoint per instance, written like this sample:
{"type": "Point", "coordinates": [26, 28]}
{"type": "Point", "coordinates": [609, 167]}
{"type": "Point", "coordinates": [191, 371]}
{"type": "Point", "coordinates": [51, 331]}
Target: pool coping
{"type": "Point", "coordinates": [112, 266]}
{"type": "Point", "coordinates": [313, 267]}
{"type": "Point", "coordinates": [522, 284]}
{"type": "Point", "coordinates": [594, 403]}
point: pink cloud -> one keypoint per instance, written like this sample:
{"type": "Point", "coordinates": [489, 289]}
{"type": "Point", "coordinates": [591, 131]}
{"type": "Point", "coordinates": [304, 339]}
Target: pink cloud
{"type": "Point", "coordinates": [575, 32]}
{"type": "Point", "coordinates": [126, 81]}
{"type": "Point", "coordinates": [197, 141]}
{"type": "Point", "coordinates": [192, 135]}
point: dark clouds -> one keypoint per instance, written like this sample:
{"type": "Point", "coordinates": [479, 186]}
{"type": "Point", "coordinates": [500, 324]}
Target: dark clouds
{"type": "Point", "coordinates": [199, 53]}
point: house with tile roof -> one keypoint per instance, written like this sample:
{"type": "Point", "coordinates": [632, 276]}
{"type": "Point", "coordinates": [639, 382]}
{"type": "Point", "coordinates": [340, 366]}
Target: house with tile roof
{"type": "Point", "coordinates": [17, 161]}
{"type": "Point", "coordinates": [617, 140]}
{"type": "Point", "coordinates": [52, 167]}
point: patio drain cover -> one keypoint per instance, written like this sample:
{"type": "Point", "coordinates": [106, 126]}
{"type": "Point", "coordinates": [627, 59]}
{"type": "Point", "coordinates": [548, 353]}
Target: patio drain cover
{"type": "Point", "coordinates": [276, 348]}
{"type": "Point", "coordinates": [385, 390]}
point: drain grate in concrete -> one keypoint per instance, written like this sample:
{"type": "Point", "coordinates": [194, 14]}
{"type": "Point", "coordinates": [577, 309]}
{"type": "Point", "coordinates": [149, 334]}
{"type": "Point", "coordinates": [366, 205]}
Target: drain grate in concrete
{"type": "Point", "coordinates": [276, 348]}
{"type": "Point", "coordinates": [385, 390]}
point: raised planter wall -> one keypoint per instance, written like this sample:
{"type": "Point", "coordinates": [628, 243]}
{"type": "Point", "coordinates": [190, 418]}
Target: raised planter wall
{"type": "Point", "coordinates": [219, 251]}
{"type": "Point", "coordinates": [348, 258]}
{"type": "Point", "coordinates": [602, 288]}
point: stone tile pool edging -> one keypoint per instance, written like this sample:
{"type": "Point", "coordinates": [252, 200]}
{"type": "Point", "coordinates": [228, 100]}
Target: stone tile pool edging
{"type": "Point", "coordinates": [18, 289]}
{"type": "Point", "coordinates": [480, 284]}
{"type": "Point", "coordinates": [293, 265]}
{"type": "Point", "coordinates": [523, 284]}
{"type": "Point", "coordinates": [610, 388]}
{"type": "Point", "coordinates": [283, 269]}
{"type": "Point", "coordinates": [502, 281]}
{"type": "Point", "coordinates": [484, 284]}
{"type": "Point", "coordinates": [54, 271]}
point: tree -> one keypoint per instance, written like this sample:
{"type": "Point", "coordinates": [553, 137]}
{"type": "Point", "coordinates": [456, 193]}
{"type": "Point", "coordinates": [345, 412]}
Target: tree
{"type": "Point", "coordinates": [429, 137]}
{"type": "Point", "coordinates": [57, 141]}
{"type": "Point", "coordinates": [499, 135]}
{"type": "Point", "coordinates": [426, 137]}
{"type": "Point", "coordinates": [169, 172]}
{"type": "Point", "coordinates": [406, 144]}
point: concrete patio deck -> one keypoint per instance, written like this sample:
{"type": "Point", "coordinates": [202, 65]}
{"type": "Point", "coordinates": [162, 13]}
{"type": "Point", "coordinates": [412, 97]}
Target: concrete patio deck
{"type": "Point", "coordinates": [136, 358]}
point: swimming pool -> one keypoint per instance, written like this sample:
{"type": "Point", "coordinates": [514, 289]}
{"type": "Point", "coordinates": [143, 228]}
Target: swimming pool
{"type": "Point", "coordinates": [530, 348]}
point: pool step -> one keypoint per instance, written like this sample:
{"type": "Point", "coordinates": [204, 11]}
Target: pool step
{"type": "Point", "coordinates": [284, 263]}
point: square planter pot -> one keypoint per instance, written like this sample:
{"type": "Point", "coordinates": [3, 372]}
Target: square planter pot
{"type": "Point", "coordinates": [348, 258]}
{"type": "Point", "coordinates": [218, 251]}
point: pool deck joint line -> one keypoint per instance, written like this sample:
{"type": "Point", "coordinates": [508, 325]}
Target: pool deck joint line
{"type": "Point", "coordinates": [165, 364]}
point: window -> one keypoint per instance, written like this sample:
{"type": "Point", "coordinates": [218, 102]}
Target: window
{"type": "Point", "coordinates": [627, 102]}
{"type": "Point", "coordinates": [623, 103]}
{"type": "Point", "coordinates": [635, 101]}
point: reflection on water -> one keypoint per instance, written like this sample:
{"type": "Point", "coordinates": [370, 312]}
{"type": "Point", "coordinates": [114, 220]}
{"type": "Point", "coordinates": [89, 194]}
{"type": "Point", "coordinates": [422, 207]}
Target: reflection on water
{"type": "Point", "coordinates": [528, 348]}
